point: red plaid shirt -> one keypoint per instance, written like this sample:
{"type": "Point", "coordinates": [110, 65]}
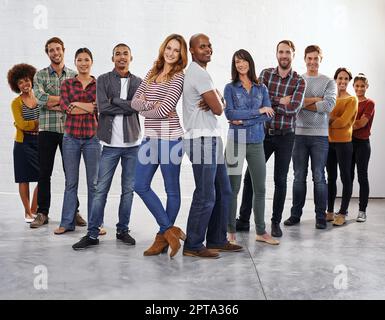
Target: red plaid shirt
{"type": "Point", "coordinates": [292, 85]}
{"type": "Point", "coordinates": [78, 125]}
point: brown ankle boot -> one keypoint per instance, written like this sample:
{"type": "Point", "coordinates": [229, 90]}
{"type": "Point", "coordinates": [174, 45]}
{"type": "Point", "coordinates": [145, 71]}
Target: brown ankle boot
{"type": "Point", "coordinates": [157, 247]}
{"type": "Point", "coordinates": [172, 236]}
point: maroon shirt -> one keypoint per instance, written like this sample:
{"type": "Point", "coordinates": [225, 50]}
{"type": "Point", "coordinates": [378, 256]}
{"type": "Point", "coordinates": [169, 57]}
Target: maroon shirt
{"type": "Point", "coordinates": [78, 125]}
{"type": "Point", "coordinates": [365, 108]}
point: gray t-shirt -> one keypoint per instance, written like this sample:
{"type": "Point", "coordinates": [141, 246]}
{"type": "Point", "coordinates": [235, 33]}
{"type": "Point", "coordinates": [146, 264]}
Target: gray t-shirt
{"type": "Point", "coordinates": [197, 122]}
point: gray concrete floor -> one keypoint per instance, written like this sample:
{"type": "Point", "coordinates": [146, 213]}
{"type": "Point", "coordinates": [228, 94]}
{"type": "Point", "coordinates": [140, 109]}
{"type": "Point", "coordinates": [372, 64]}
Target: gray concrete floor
{"type": "Point", "coordinates": [338, 263]}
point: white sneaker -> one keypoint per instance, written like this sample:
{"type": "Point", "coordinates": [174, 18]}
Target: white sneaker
{"type": "Point", "coordinates": [361, 216]}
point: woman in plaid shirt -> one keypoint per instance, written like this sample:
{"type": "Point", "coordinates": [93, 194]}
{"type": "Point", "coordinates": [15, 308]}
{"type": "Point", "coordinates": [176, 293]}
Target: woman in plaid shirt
{"type": "Point", "coordinates": [77, 100]}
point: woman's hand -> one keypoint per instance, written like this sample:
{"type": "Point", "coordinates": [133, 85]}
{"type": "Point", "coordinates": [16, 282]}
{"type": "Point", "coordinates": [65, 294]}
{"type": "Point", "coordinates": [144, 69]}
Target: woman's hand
{"type": "Point", "coordinates": [268, 111]}
{"type": "Point", "coordinates": [236, 122]}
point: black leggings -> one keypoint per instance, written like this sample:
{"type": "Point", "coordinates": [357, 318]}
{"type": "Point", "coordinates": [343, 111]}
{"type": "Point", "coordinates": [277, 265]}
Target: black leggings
{"type": "Point", "coordinates": [341, 154]}
{"type": "Point", "coordinates": [361, 156]}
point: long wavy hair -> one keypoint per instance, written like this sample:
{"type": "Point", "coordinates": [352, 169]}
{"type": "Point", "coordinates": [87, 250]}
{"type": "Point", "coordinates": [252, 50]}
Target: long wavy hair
{"type": "Point", "coordinates": [159, 63]}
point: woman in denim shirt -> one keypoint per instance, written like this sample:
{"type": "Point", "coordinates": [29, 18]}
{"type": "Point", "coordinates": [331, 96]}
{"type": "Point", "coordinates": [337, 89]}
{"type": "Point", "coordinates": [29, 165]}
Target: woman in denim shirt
{"type": "Point", "coordinates": [247, 108]}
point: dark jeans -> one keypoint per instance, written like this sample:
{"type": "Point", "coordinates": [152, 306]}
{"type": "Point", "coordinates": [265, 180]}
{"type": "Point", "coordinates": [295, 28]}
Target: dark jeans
{"type": "Point", "coordinates": [315, 148]}
{"type": "Point", "coordinates": [341, 154]}
{"type": "Point", "coordinates": [109, 160]}
{"type": "Point", "coordinates": [48, 143]}
{"type": "Point", "coordinates": [281, 146]}
{"type": "Point", "coordinates": [361, 156]}
{"type": "Point", "coordinates": [211, 201]}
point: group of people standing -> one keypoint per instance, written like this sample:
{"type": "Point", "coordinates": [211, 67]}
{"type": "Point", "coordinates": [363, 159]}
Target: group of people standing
{"type": "Point", "coordinates": [280, 112]}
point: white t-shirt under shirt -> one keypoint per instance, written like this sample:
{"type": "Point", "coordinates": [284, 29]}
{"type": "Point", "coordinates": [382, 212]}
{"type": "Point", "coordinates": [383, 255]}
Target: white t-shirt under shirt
{"type": "Point", "coordinates": [197, 122]}
{"type": "Point", "coordinates": [117, 137]}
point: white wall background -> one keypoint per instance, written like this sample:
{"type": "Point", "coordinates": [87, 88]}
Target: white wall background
{"type": "Point", "coordinates": [349, 31]}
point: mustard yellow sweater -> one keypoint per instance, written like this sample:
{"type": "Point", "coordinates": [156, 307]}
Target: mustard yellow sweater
{"type": "Point", "coordinates": [21, 124]}
{"type": "Point", "coordinates": [342, 118]}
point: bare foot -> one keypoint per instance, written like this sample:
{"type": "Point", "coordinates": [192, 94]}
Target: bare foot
{"type": "Point", "coordinates": [231, 237]}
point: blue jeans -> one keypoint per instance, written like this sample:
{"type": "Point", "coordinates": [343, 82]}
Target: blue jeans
{"type": "Point", "coordinates": [73, 148]}
{"type": "Point", "coordinates": [168, 155]}
{"type": "Point", "coordinates": [108, 163]}
{"type": "Point", "coordinates": [316, 148]}
{"type": "Point", "coordinates": [212, 195]}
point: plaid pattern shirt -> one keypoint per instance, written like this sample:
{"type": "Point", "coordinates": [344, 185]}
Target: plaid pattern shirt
{"type": "Point", "coordinates": [292, 85]}
{"type": "Point", "coordinates": [78, 125]}
{"type": "Point", "coordinates": [47, 83]}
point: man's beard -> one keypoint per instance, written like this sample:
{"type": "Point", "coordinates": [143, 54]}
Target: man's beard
{"type": "Point", "coordinates": [283, 66]}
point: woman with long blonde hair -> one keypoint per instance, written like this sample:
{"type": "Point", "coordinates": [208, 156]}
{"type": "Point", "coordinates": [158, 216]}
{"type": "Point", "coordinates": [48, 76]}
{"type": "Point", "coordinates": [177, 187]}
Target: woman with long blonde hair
{"type": "Point", "coordinates": [156, 100]}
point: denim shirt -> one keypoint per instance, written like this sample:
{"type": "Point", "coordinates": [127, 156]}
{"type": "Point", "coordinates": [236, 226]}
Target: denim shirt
{"type": "Point", "coordinates": [241, 105]}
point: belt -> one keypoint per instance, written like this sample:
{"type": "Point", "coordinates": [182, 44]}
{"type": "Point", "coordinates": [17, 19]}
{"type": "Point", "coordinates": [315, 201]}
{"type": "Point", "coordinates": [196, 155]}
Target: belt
{"type": "Point", "coordinates": [31, 133]}
{"type": "Point", "coordinates": [279, 132]}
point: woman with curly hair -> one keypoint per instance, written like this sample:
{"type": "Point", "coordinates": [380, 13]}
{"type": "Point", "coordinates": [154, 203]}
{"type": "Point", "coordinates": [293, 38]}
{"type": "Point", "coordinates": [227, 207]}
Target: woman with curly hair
{"type": "Point", "coordinates": [25, 112]}
{"type": "Point", "coordinates": [162, 146]}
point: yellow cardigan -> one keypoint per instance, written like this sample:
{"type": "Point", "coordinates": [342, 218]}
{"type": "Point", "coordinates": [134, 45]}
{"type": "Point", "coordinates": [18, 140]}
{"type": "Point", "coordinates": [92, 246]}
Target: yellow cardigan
{"type": "Point", "coordinates": [21, 124]}
{"type": "Point", "coordinates": [344, 114]}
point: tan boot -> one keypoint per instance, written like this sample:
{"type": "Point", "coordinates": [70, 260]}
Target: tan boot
{"type": "Point", "coordinates": [329, 216]}
{"type": "Point", "coordinates": [172, 236]}
{"type": "Point", "coordinates": [157, 247]}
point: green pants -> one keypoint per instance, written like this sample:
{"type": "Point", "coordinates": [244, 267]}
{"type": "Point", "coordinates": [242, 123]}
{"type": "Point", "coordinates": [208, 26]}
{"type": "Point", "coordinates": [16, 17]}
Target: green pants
{"type": "Point", "coordinates": [236, 153]}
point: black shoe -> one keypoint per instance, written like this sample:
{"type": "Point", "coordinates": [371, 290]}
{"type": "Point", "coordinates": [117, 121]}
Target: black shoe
{"type": "Point", "coordinates": [241, 225]}
{"type": "Point", "coordinates": [320, 224]}
{"type": "Point", "coordinates": [291, 221]}
{"type": "Point", "coordinates": [85, 242]}
{"type": "Point", "coordinates": [276, 230]}
{"type": "Point", "coordinates": [126, 238]}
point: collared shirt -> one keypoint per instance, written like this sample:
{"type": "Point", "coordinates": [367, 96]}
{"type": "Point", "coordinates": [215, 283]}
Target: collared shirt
{"type": "Point", "coordinates": [78, 125]}
{"type": "Point", "coordinates": [243, 105]}
{"type": "Point", "coordinates": [292, 85]}
{"type": "Point", "coordinates": [47, 83]}
{"type": "Point", "coordinates": [110, 105]}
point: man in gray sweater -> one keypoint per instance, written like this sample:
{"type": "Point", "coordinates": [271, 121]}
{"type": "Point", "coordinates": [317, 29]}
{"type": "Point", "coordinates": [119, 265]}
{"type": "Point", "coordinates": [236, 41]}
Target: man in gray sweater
{"type": "Point", "coordinates": [311, 139]}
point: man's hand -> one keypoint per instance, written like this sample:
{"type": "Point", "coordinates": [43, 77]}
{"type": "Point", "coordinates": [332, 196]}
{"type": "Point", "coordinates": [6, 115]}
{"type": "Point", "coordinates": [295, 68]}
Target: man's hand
{"type": "Point", "coordinates": [285, 100]}
{"type": "Point", "coordinates": [202, 105]}
{"type": "Point", "coordinates": [55, 108]}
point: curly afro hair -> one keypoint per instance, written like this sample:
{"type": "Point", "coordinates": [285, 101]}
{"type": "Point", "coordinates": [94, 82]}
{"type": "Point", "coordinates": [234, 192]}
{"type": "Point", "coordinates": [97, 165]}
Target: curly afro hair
{"type": "Point", "coordinates": [18, 72]}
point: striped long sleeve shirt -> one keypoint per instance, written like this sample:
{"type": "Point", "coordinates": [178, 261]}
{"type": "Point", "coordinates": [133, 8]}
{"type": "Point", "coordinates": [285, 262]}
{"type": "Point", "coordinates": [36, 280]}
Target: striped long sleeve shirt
{"type": "Point", "coordinates": [158, 123]}
{"type": "Point", "coordinates": [292, 85]}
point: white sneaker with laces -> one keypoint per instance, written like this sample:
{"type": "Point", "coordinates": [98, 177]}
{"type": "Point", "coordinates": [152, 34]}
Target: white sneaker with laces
{"type": "Point", "coordinates": [361, 216]}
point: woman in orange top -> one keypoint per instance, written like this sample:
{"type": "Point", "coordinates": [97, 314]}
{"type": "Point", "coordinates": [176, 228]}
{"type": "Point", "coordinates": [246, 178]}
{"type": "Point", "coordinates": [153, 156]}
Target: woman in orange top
{"type": "Point", "coordinates": [340, 146]}
{"type": "Point", "coordinates": [25, 155]}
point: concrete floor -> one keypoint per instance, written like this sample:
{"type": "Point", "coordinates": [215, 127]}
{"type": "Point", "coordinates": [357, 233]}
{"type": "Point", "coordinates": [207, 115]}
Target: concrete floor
{"type": "Point", "coordinates": [337, 263]}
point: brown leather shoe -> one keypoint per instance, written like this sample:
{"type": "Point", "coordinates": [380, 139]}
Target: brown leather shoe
{"type": "Point", "coordinates": [172, 236]}
{"type": "Point", "coordinates": [61, 230]}
{"type": "Point", "coordinates": [227, 247]}
{"type": "Point", "coordinates": [40, 220]}
{"type": "Point", "coordinates": [202, 253]}
{"type": "Point", "coordinates": [157, 247]}
{"type": "Point", "coordinates": [80, 222]}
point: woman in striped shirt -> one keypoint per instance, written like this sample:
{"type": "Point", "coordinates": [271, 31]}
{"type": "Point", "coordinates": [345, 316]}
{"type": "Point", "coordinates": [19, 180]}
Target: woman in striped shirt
{"type": "Point", "coordinates": [25, 112]}
{"type": "Point", "coordinates": [156, 100]}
